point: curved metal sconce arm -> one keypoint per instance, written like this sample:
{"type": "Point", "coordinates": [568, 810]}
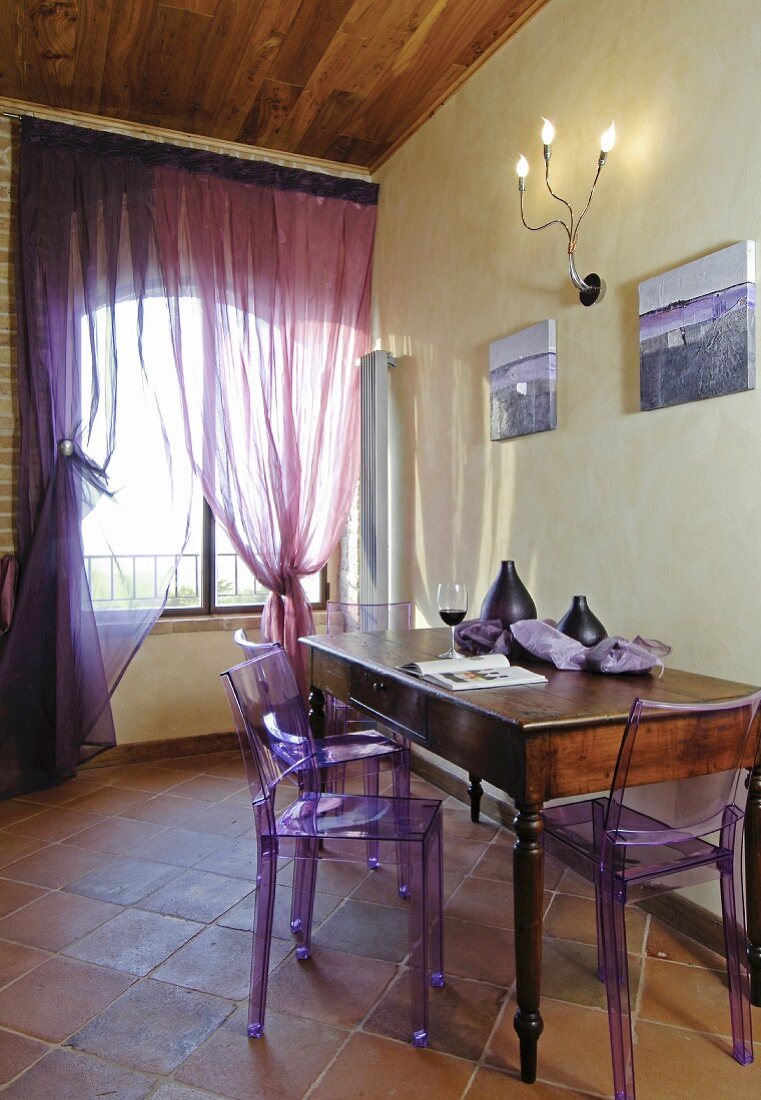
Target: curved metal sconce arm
{"type": "Point", "coordinates": [592, 288]}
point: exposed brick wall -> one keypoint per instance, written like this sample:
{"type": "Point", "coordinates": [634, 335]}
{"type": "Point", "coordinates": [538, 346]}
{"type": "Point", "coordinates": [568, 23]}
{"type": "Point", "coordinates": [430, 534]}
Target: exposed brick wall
{"type": "Point", "coordinates": [8, 396]}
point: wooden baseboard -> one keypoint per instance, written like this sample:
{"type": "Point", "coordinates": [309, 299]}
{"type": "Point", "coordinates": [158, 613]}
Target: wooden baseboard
{"type": "Point", "coordinates": [680, 913]}
{"type": "Point", "coordinates": [143, 751]}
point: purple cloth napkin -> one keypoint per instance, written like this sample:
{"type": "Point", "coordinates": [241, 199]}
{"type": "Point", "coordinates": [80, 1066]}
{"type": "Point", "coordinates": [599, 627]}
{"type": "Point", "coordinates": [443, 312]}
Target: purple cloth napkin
{"type": "Point", "coordinates": [483, 636]}
{"type": "Point", "coordinates": [539, 638]}
{"type": "Point", "coordinates": [611, 655]}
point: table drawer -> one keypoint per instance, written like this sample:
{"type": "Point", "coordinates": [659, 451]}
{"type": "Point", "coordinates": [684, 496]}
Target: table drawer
{"type": "Point", "coordinates": [392, 703]}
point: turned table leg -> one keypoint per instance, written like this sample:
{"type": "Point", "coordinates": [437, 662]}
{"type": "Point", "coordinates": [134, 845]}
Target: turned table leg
{"type": "Point", "coordinates": [316, 712]}
{"type": "Point", "coordinates": [753, 882]}
{"type": "Point", "coordinates": [475, 790]}
{"type": "Point", "coordinates": [528, 883]}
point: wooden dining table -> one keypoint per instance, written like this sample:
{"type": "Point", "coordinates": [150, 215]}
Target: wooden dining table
{"type": "Point", "coordinates": [535, 743]}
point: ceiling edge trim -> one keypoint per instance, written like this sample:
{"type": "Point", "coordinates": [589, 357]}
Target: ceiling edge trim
{"type": "Point", "coordinates": [14, 107]}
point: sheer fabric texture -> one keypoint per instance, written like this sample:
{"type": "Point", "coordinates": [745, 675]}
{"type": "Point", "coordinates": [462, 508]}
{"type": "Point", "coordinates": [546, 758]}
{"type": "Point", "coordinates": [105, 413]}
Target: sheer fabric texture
{"type": "Point", "coordinates": [183, 317]}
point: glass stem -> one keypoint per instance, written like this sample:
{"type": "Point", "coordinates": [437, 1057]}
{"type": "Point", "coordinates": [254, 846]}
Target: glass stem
{"type": "Point", "coordinates": [453, 650]}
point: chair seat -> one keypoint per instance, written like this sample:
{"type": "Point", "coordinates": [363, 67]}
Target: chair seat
{"type": "Point", "coordinates": [343, 748]}
{"type": "Point", "coordinates": [335, 816]}
{"type": "Point", "coordinates": [642, 853]}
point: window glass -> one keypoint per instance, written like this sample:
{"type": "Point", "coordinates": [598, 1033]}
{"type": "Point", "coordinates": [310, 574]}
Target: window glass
{"type": "Point", "coordinates": [129, 539]}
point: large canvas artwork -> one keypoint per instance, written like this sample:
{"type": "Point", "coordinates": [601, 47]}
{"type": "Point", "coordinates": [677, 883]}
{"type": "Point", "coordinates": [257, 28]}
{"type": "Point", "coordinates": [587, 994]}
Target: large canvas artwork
{"type": "Point", "coordinates": [523, 377]}
{"type": "Point", "coordinates": [697, 329]}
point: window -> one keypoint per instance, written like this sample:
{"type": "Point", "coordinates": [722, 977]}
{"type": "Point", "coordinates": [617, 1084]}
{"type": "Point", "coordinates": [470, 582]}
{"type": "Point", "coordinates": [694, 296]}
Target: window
{"type": "Point", "coordinates": [212, 577]}
{"type": "Point", "coordinates": [130, 541]}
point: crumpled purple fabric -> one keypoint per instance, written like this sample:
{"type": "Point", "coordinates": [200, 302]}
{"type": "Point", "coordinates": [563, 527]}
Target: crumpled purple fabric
{"type": "Point", "coordinates": [539, 638]}
{"type": "Point", "coordinates": [483, 636]}
{"type": "Point", "coordinates": [611, 655]}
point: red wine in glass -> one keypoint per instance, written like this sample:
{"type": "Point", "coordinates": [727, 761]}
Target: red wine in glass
{"type": "Point", "coordinates": [453, 607]}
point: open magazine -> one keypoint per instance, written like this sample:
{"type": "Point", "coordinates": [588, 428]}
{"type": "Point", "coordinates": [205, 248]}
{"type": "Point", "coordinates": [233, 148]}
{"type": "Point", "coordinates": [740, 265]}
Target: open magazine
{"type": "Point", "coordinates": [492, 670]}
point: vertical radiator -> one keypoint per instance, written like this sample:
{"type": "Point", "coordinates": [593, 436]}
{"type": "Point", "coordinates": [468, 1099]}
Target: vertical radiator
{"type": "Point", "coordinates": [373, 478]}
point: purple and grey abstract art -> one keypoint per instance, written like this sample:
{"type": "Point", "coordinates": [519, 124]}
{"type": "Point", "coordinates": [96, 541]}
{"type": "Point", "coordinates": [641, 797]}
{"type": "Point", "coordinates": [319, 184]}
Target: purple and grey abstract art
{"type": "Point", "coordinates": [523, 382]}
{"type": "Point", "coordinates": [697, 329]}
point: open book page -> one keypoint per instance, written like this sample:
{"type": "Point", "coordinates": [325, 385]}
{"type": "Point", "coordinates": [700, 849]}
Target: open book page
{"type": "Point", "coordinates": [457, 664]}
{"type": "Point", "coordinates": [468, 673]}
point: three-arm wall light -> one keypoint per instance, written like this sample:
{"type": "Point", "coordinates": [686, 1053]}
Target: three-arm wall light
{"type": "Point", "coordinates": [591, 289]}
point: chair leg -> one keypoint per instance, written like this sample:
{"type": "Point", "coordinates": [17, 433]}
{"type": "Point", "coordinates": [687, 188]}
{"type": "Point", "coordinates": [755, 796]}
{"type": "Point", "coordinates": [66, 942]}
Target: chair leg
{"type": "Point", "coordinates": [617, 987]}
{"type": "Point", "coordinates": [475, 792]}
{"type": "Point", "coordinates": [435, 897]}
{"type": "Point", "coordinates": [401, 786]}
{"type": "Point", "coordinates": [418, 934]}
{"type": "Point", "coordinates": [264, 908]}
{"type": "Point", "coordinates": [334, 781]}
{"type": "Point", "coordinates": [302, 900]}
{"type": "Point", "coordinates": [738, 977]}
{"type": "Point", "coordinates": [372, 769]}
{"type": "Point", "coordinates": [600, 932]}
{"type": "Point", "coordinates": [598, 825]}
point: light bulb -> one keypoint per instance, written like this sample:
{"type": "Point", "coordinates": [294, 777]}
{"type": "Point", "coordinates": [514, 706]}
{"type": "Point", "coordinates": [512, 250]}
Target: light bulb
{"type": "Point", "coordinates": [522, 166]}
{"type": "Point", "coordinates": [608, 139]}
{"type": "Point", "coordinates": [548, 131]}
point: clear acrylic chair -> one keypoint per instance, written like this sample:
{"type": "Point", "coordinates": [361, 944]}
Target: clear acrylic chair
{"type": "Point", "coordinates": [346, 617]}
{"type": "Point", "coordinates": [648, 837]}
{"type": "Point", "coordinates": [277, 746]}
{"type": "Point", "coordinates": [354, 743]}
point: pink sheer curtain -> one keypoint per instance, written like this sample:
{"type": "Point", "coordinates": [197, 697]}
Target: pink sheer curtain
{"type": "Point", "coordinates": [269, 296]}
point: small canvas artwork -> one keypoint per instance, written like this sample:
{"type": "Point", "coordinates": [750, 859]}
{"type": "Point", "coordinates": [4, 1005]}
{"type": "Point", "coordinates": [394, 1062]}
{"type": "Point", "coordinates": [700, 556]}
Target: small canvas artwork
{"type": "Point", "coordinates": [523, 382]}
{"type": "Point", "coordinates": [697, 328]}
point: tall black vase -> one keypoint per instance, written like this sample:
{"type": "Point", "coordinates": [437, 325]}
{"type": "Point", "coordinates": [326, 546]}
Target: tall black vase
{"type": "Point", "coordinates": [580, 623]}
{"type": "Point", "coordinates": [508, 599]}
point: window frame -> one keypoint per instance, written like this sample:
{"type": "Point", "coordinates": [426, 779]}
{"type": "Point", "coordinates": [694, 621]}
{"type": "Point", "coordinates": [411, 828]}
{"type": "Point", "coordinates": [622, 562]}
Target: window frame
{"type": "Point", "coordinates": [208, 605]}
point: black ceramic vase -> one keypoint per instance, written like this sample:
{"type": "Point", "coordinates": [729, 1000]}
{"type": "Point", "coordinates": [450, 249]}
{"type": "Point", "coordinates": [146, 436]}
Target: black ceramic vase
{"type": "Point", "coordinates": [579, 623]}
{"type": "Point", "coordinates": [508, 599]}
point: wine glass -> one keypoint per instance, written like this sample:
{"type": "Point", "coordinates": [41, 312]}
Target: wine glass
{"type": "Point", "coordinates": [453, 606]}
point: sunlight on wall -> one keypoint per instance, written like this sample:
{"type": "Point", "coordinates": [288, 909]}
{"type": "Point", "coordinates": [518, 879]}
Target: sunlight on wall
{"type": "Point", "coordinates": [653, 515]}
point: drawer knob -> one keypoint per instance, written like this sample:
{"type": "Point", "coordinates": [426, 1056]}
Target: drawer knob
{"type": "Point", "coordinates": [378, 686]}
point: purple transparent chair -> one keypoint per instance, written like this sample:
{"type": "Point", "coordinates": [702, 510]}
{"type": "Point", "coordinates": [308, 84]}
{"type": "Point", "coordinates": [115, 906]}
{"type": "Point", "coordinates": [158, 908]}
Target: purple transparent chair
{"type": "Point", "coordinates": [650, 837]}
{"type": "Point", "coordinates": [354, 743]}
{"type": "Point", "coordinates": [277, 746]}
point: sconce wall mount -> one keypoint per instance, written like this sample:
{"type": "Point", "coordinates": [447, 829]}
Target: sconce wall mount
{"type": "Point", "coordinates": [592, 288]}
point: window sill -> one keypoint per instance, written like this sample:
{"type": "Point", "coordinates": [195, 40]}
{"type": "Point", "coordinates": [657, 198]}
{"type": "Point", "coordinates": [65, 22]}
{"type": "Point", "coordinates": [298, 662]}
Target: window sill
{"type": "Point", "coordinates": [196, 624]}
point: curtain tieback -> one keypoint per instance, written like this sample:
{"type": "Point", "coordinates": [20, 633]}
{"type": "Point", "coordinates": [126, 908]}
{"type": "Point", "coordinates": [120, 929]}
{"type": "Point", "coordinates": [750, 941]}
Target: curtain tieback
{"type": "Point", "coordinates": [88, 468]}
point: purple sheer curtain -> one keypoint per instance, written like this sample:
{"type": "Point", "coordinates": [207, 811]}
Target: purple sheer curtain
{"type": "Point", "coordinates": [86, 247]}
{"type": "Point", "coordinates": [109, 296]}
{"type": "Point", "coordinates": [282, 282]}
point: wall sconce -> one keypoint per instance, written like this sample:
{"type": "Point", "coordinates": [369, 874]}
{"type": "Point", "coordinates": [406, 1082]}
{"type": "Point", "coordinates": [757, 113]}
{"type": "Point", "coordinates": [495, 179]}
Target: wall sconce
{"type": "Point", "coordinates": [591, 289]}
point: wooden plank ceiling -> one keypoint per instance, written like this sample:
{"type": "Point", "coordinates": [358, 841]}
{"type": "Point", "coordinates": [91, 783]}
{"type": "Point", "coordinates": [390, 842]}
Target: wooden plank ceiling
{"type": "Point", "coordinates": [343, 80]}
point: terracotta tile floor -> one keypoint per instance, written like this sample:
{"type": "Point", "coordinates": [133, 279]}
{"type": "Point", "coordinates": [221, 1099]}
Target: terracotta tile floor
{"type": "Point", "coordinates": [125, 938]}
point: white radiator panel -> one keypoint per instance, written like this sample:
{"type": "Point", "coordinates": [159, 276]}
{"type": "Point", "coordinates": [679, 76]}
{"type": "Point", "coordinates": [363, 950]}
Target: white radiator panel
{"type": "Point", "coordinates": [374, 523]}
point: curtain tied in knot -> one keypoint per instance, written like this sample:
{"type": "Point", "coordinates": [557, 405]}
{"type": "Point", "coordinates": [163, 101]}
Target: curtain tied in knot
{"type": "Point", "coordinates": [88, 469]}
{"type": "Point", "coordinates": [287, 617]}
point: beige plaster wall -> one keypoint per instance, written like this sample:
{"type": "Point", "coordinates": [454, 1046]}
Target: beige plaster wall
{"type": "Point", "coordinates": [655, 516]}
{"type": "Point", "coordinates": [172, 689]}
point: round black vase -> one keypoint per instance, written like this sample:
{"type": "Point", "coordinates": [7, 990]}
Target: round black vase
{"type": "Point", "coordinates": [580, 623]}
{"type": "Point", "coordinates": [508, 599]}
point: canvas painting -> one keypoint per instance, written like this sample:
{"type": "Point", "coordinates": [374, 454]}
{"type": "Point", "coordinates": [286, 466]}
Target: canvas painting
{"type": "Point", "coordinates": [697, 329]}
{"type": "Point", "coordinates": [523, 382]}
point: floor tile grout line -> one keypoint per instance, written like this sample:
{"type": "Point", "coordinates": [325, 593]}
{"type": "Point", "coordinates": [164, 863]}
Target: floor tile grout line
{"type": "Point", "coordinates": [180, 869]}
